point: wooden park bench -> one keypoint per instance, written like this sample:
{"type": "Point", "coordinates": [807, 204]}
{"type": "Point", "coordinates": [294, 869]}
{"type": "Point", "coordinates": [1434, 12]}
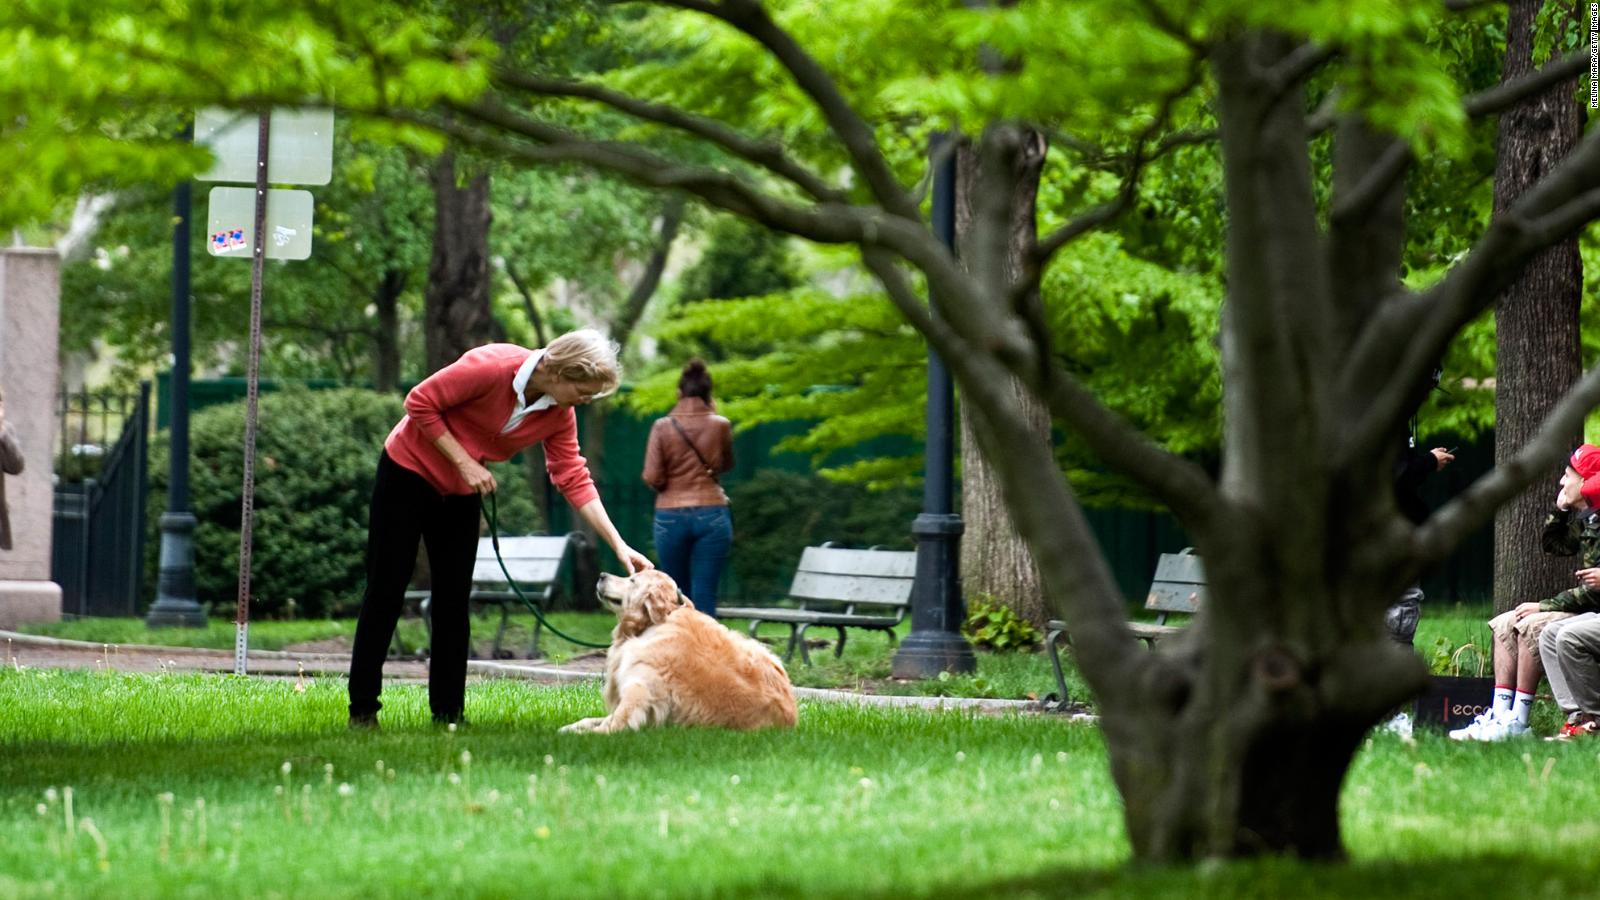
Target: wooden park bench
{"type": "Point", "coordinates": [839, 589]}
{"type": "Point", "coordinates": [1178, 587]}
{"type": "Point", "coordinates": [534, 562]}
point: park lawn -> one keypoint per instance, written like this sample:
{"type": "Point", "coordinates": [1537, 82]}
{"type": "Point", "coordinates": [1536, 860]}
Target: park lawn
{"type": "Point", "coordinates": [217, 786]}
{"type": "Point", "coordinates": [865, 665]}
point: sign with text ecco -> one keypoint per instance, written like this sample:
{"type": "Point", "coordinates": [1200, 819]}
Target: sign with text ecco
{"type": "Point", "coordinates": [1451, 702]}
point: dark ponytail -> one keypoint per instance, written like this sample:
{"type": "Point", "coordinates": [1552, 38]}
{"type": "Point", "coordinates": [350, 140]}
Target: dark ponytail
{"type": "Point", "coordinates": [695, 381]}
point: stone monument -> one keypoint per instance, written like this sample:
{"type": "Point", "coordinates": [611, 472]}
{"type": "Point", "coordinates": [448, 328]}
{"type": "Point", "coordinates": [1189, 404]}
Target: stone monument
{"type": "Point", "coordinates": [30, 300]}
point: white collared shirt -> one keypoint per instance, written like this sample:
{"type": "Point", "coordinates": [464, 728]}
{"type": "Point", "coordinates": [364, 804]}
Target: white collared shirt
{"type": "Point", "coordinates": [519, 384]}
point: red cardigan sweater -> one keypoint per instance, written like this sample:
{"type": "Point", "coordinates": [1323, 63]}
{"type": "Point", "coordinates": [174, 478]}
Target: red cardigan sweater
{"type": "Point", "coordinates": [472, 398]}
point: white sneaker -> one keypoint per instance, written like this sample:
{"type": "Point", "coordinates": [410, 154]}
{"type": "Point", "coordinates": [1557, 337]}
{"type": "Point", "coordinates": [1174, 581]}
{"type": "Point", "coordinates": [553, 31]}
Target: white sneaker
{"type": "Point", "coordinates": [1399, 725]}
{"type": "Point", "coordinates": [1490, 726]}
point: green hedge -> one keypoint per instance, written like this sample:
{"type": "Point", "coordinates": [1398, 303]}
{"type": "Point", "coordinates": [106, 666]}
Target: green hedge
{"type": "Point", "coordinates": [316, 455]}
{"type": "Point", "coordinates": [777, 514]}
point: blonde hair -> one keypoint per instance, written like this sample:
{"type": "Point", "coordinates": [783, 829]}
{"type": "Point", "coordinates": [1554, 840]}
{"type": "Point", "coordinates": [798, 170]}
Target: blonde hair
{"type": "Point", "coordinates": [585, 357]}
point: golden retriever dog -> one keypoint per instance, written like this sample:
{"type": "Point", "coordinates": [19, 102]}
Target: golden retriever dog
{"type": "Point", "coordinates": [671, 663]}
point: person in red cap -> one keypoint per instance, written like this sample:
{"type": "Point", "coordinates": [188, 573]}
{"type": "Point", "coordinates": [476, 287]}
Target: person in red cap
{"type": "Point", "coordinates": [1573, 529]}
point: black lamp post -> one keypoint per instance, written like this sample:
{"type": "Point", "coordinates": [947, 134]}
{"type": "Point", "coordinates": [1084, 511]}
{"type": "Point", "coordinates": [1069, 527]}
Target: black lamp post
{"type": "Point", "coordinates": [175, 595]}
{"type": "Point", "coordinates": [937, 609]}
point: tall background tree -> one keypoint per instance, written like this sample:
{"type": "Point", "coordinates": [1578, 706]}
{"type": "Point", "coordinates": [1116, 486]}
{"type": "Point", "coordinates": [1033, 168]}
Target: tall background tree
{"type": "Point", "coordinates": [1536, 320]}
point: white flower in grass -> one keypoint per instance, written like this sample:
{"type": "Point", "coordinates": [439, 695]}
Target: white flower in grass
{"type": "Point", "coordinates": [380, 767]}
{"type": "Point", "coordinates": [277, 789]}
{"type": "Point", "coordinates": [454, 778]}
{"type": "Point", "coordinates": [327, 768]}
{"type": "Point", "coordinates": [600, 782]}
{"type": "Point", "coordinates": [542, 832]}
{"type": "Point", "coordinates": [42, 810]}
{"type": "Point", "coordinates": [549, 760]}
{"type": "Point", "coordinates": [733, 821]}
{"type": "Point", "coordinates": [961, 756]}
{"type": "Point", "coordinates": [1061, 756]}
{"type": "Point", "coordinates": [345, 789]}
{"type": "Point", "coordinates": [1054, 803]}
{"type": "Point", "coordinates": [451, 728]}
{"type": "Point", "coordinates": [50, 795]}
{"type": "Point", "coordinates": [286, 768]}
{"type": "Point", "coordinates": [492, 797]}
{"type": "Point", "coordinates": [466, 757]}
{"type": "Point", "coordinates": [733, 780]}
{"type": "Point", "coordinates": [866, 784]}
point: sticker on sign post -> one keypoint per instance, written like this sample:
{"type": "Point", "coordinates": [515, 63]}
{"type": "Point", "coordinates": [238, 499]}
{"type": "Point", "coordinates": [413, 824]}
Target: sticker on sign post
{"type": "Point", "coordinates": [232, 217]}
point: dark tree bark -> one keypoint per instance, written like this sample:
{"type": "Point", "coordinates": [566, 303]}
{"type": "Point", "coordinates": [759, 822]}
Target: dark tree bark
{"type": "Point", "coordinates": [994, 558]}
{"type": "Point", "coordinates": [386, 338]}
{"type": "Point", "coordinates": [1537, 348]}
{"type": "Point", "coordinates": [456, 304]}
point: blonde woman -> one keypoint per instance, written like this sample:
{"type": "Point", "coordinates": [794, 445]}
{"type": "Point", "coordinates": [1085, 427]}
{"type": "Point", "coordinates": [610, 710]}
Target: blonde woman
{"type": "Point", "coordinates": [486, 406]}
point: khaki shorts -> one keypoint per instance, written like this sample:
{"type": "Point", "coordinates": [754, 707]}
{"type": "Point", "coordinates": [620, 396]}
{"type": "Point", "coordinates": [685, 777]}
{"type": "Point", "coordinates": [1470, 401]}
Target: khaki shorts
{"type": "Point", "coordinates": [1513, 634]}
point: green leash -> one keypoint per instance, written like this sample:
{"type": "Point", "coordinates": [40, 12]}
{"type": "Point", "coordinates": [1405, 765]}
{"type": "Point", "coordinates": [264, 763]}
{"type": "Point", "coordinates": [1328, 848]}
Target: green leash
{"type": "Point", "coordinates": [491, 510]}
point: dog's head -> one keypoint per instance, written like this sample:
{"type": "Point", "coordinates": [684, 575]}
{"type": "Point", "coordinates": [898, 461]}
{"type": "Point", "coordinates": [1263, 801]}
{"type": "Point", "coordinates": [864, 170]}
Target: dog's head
{"type": "Point", "coordinates": [641, 600]}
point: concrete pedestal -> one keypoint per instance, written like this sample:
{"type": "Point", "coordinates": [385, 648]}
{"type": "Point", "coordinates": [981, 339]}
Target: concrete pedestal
{"type": "Point", "coordinates": [30, 297]}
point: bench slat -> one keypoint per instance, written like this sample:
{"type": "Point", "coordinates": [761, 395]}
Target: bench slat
{"type": "Point", "coordinates": [873, 563]}
{"type": "Point", "coordinates": [1182, 567]}
{"type": "Point", "coordinates": [783, 614]}
{"type": "Point", "coordinates": [812, 586]}
{"type": "Point", "coordinates": [532, 559]}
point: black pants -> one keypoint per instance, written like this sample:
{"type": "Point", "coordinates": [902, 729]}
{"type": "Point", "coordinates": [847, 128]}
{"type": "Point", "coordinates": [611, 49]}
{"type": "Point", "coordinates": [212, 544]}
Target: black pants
{"type": "Point", "coordinates": [405, 508]}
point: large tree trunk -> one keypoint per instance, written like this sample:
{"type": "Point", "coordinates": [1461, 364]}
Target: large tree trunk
{"type": "Point", "coordinates": [1536, 320]}
{"type": "Point", "coordinates": [1275, 685]}
{"type": "Point", "coordinates": [994, 559]}
{"type": "Point", "coordinates": [457, 312]}
{"type": "Point", "coordinates": [386, 340]}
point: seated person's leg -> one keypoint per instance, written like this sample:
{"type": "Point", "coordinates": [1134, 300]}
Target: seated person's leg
{"type": "Point", "coordinates": [1578, 657]}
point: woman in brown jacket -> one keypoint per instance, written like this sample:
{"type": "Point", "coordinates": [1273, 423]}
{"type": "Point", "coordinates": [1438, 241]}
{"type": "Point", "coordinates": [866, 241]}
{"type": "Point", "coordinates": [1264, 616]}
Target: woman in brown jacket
{"type": "Point", "coordinates": [10, 464]}
{"type": "Point", "coordinates": [689, 449]}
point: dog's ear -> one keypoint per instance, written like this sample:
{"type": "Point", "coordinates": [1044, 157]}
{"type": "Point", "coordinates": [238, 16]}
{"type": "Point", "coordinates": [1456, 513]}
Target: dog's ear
{"type": "Point", "coordinates": [683, 600]}
{"type": "Point", "coordinates": [660, 600]}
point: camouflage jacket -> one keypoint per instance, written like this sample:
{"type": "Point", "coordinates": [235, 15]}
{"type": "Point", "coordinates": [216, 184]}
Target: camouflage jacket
{"type": "Point", "coordinates": [1568, 535]}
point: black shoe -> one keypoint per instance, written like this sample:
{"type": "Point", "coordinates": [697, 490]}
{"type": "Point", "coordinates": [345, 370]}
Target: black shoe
{"type": "Point", "coordinates": [363, 721]}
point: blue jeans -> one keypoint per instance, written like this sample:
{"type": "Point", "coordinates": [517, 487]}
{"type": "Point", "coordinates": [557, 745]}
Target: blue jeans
{"type": "Point", "coordinates": [692, 544]}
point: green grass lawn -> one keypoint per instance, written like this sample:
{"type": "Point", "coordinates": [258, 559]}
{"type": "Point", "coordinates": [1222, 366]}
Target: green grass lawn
{"type": "Point", "coordinates": [865, 664]}
{"type": "Point", "coordinates": [213, 786]}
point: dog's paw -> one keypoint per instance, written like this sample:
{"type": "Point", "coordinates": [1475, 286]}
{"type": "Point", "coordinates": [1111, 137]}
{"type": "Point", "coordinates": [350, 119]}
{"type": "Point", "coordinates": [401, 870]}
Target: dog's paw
{"type": "Point", "coordinates": [582, 725]}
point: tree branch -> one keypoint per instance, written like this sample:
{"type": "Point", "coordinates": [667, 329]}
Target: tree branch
{"type": "Point", "coordinates": [767, 154]}
{"type": "Point", "coordinates": [1470, 509]}
{"type": "Point", "coordinates": [1503, 96]}
{"type": "Point", "coordinates": [650, 279]}
{"type": "Point", "coordinates": [853, 132]}
{"type": "Point", "coordinates": [1374, 185]}
{"type": "Point", "coordinates": [1416, 330]}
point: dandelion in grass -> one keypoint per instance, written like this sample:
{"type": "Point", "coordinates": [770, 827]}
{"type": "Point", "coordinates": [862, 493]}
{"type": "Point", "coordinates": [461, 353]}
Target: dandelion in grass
{"type": "Point", "coordinates": [454, 778]}
{"type": "Point", "coordinates": [466, 757]}
{"type": "Point", "coordinates": [549, 760]}
{"type": "Point", "coordinates": [380, 768]}
{"type": "Point", "coordinates": [1054, 803]}
{"type": "Point", "coordinates": [327, 774]}
{"type": "Point", "coordinates": [600, 781]}
{"type": "Point", "coordinates": [1061, 756]}
{"type": "Point", "coordinates": [961, 756]}
{"type": "Point", "coordinates": [542, 832]}
{"type": "Point", "coordinates": [734, 780]}
{"type": "Point", "coordinates": [346, 789]}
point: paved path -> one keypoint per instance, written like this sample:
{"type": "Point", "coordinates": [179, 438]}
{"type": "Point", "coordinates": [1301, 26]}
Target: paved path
{"type": "Point", "coordinates": [55, 653]}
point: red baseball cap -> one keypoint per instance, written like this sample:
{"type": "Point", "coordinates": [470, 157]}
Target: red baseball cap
{"type": "Point", "coordinates": [1585, 461]}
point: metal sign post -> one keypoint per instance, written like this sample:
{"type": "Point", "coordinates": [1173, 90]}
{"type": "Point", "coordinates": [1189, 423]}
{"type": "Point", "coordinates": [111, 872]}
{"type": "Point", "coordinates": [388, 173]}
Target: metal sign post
{"type": "Point", "coordinates": [304, 154]}
{"type": "Point", "coordinates": [258, 259]}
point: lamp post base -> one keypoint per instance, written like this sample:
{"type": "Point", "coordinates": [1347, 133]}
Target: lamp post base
{"type": "Point", "coordinates": [175, 604]}
{"type": "Point", "coordinates": [936, 644]}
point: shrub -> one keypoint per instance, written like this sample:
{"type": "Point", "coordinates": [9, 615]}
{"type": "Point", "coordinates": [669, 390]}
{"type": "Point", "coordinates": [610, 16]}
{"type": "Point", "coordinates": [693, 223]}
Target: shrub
{"type": "Point", "coordinates": [316, 455]}
{"type": "Point", "coordinates": [992, 626]}
{"type": "Point", "coordinates": [777, 514]}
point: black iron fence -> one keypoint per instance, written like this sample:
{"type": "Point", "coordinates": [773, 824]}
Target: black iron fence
{"type": "Point", "coordinates": [101, 474]}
